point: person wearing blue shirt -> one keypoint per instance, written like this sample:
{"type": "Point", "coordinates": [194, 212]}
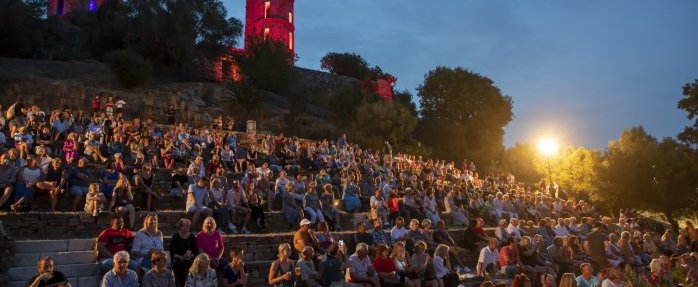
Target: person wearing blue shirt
{"type": "Point", "coordinates": [587, 279]}
{"type": "Point", "coordinates": [120, 275]}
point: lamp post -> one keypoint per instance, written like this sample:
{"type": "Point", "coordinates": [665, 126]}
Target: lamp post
{"type": "Point", "coordinates": [548, 147]}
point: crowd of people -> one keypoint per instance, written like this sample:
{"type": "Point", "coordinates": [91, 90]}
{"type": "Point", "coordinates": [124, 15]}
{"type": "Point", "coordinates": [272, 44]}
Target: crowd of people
{"type": "Point", "coordinates": [228, 181]}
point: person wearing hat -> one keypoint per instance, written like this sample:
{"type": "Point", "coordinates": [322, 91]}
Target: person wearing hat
{"type": "Point", "coordinates": [304, 236]}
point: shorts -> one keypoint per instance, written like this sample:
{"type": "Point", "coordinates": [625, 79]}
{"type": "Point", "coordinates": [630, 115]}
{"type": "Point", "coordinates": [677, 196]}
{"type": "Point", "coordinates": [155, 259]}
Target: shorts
{"type": "Point", "coordinates": [193, 208]}
{"type": "Point", "coordinates": [77, 190]}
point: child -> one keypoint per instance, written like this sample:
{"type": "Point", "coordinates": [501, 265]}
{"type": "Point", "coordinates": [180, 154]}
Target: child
{"type": "Point", "coordinates": [95, 200]}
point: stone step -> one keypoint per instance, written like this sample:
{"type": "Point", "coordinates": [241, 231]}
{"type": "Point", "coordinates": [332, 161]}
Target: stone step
{"type": "Point", "coordinates": [48, 246]}
{"type": "Point", "coordinates": [59, 258]}
{"type": "Point", "coordinates": [72, 270]}
{"type": "Point", "coordinates": [55, 225]}
{"type": "Point", "coordinates": [90, 281]}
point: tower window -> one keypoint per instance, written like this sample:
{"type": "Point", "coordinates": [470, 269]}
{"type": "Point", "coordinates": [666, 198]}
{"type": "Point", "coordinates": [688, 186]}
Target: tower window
{"type": "Point", "coordinates": [267, 6]}
{"type": "Point", "coordinates": [290, 40]}
{"type": "Point", "coordinates": [266, 33]}
{"type": "Point", "coordinates": [290, 17]}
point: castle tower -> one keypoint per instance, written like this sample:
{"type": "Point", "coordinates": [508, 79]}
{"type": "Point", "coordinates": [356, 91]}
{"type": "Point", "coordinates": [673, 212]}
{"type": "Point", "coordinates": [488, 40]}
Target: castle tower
{"type": "Point", "coordinates": [270, 19]}
{"type": "Point", "coordinates": [63, 7]}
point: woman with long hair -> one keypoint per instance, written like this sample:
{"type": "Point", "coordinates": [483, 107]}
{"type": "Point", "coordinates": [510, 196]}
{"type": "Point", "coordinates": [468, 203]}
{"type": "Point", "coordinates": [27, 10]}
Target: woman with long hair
{"type": "Point", "coordinates": [568, 280]}
{"type": "Point", "coordinates": [281, 271]}
{"type": "Point", "coordinates": [148, 240]}
{"type": "Point", "coordinates": [210, 241]}
{"type": "Point", "coordinates": [122, 199]}
{"type": "Point", "coordinates": [201, 274]}
{"type": "Point", "coordinates": [403, 266]}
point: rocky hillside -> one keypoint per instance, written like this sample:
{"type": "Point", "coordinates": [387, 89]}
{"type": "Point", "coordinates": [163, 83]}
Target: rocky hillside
{"type": "Point", "coordinates": [73, 83]}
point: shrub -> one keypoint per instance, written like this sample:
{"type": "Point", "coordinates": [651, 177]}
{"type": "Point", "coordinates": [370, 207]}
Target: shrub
{"type": "Point", "coordinates": [130, 68]}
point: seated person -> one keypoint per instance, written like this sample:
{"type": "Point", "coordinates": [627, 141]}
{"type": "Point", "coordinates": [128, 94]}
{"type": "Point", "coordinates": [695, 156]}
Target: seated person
{"type": "Point", "coordinates": [112, 240]}
{"type": "Point", "coordinates": [48, 275]}
{"type": "Point", "coordinates": [234, 272]}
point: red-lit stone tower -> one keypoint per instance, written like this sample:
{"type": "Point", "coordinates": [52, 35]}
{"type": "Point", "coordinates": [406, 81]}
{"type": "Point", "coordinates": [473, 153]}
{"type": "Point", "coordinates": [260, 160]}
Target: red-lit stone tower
{"type": "Point", "coordinates": [63, 7]}
{"type": "Point", "coordinates": [270, 19]}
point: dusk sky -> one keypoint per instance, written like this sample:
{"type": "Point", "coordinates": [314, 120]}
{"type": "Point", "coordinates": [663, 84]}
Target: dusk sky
{"type": "Point", "coordinates": [579, 71]}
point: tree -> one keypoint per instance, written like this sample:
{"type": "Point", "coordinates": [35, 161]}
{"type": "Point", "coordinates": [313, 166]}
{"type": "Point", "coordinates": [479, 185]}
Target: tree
{"type": "Point", "coordinates": [573, 169]}
{"type": "Point", "coordinates": [463, 115]}
{"type": "Point", "coordinates": [689, 103]}
{"type": "Point", "coordinates": [129, 67]}
{"type": "Point", "coordinates": [380, 121]}
{"type": "Point", "coordinates": [405, 98]}
{"type": "Point", "coordinates": [520, 161]}
{"type": "Point", "coordinates": [345, 102]}
{"type": "Point", "coordinates": [22, 28]}
{"type": "Point", "coordinates": [268, 65]}
{"type": "Point", "coordinates": [350, 65]}
{"type": "Point", "coordinates": [639, 171]}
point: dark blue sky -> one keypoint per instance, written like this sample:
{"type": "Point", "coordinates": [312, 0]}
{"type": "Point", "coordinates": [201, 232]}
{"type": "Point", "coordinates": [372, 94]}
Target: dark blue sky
{"type": "Point", "coordinates": [580, 71]}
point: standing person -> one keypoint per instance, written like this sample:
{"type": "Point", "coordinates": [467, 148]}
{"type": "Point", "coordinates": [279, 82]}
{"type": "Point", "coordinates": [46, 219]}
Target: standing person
{"type": "Point", "coordinates": [120, 275]}
{"type": "Point", "coordinates": [281, 270]}
{"type": "Point", "coordinates": [171, 115]}
{"type": "Point", "coordinates": [201, 274]}
{"type": "Point", "coordinates": [182, 250]}
{"type": "Point", "coordinates": [595, 246]}
{"type": "Point", "coordinates": [120, 103]}
{"type": "Point", "coordinates": [159, 275]}
{"type": "Point", "coordinates": [47, 275]}
{"type": "Point", "coordinates": [234, 272]}
{"type": "Point", "coordinates": [210, 241]}
{"type": "Point", "coordinates": [96, 105]}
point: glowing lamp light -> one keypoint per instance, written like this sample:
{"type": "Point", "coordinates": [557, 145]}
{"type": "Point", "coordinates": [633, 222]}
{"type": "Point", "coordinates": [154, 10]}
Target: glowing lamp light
{"type": "Point", "coordinates": [547, 146]}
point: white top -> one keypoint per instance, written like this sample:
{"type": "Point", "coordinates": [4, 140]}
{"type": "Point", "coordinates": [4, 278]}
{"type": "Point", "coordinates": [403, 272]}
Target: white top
{"type": "Point", "coordinates": [488, 256]}
{"type": "Point", "coordinates": [144, 242]}
{"type": "Point", "coordinates": [513, 230]}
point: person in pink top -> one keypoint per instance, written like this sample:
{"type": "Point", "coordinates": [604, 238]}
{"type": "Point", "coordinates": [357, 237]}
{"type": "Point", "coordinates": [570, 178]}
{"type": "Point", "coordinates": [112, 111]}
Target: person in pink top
{"type": "Point", "coordinates": [210, 241]}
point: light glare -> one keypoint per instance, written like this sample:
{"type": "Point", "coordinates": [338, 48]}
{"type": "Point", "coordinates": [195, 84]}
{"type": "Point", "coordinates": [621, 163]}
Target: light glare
{"type": "Point", "coordinates": [547, 146]}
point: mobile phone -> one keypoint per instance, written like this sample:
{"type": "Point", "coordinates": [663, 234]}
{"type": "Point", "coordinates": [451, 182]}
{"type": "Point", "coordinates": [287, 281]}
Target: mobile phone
{"type": "Point", "coordinates": [341, 242]}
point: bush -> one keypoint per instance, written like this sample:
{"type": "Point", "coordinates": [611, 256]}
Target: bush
{"type": "Point", "coordinates": [130, 68]}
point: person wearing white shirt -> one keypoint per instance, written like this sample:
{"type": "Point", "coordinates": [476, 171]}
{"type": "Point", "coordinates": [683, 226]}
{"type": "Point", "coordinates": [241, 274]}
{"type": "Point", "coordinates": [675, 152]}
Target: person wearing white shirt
{"type": "Point", "coordinates": [488, 262]}
{"type": "Point", "coordinates": [513, 230]}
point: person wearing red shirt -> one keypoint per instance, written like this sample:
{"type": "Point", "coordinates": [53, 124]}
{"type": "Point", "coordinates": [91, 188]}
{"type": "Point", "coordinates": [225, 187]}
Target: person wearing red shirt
{"type": "Point", "coordinates": [385, 267]}
{"type": "Point", "coordinates": [509, 261]}
{"type": "Point", "coordinates": [113, 240]}
{"type": "Point", "coordinates": [96, 105]}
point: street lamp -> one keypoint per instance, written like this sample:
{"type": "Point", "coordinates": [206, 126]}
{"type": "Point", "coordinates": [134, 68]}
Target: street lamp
{"type": "Point", "coordinates": [548, 147]}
